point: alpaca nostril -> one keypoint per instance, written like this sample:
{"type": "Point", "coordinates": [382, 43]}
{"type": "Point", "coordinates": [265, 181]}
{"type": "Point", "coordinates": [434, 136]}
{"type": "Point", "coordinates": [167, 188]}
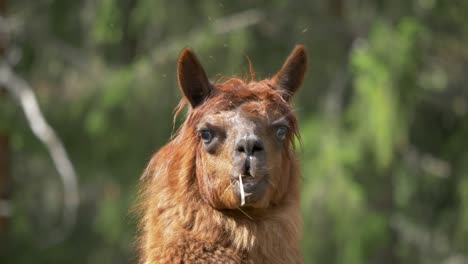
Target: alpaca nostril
{"type": "Point", "coordinates": [257, 147]}
{"type": "Point", "coordinates": [240, 148]}
{"type": "Point", "coordinates": [249, 146]}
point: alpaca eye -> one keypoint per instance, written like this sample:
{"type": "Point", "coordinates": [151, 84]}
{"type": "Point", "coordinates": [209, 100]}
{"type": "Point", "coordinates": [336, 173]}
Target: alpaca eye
{"type": "Point", "coordinates": [206, 136]}
{"type": "Point", "coordinates": [281, 132]}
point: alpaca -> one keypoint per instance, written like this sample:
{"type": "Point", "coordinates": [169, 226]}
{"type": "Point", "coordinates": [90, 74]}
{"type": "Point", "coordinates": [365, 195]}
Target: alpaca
{"type": "Point", "coordinates": [225, 188]}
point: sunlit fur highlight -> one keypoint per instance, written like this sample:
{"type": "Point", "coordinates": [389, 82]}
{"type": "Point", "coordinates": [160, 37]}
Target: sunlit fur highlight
{"type": "Point", "coordinates": [178, 225]}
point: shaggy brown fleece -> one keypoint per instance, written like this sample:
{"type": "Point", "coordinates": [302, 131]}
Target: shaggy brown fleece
{"type": "Point", "coordinates": [190, 208]}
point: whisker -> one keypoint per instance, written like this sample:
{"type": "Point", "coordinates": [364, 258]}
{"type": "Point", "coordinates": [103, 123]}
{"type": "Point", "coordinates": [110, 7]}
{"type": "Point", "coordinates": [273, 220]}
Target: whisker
{"type": "Point", "coordinates": [227, 188]}
{"type": "Point", "coordinates": [245, 213]}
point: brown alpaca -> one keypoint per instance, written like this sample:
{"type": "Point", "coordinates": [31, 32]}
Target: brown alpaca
{"type": "Point", "coordinates": [225, 188]}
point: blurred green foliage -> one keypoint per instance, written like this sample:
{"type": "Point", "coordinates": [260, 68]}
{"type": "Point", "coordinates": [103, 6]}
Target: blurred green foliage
{"type": "Point", "coordinates": [383, 115]}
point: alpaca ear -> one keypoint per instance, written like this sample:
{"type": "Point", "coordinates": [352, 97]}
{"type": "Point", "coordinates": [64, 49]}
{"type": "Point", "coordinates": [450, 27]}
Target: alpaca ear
{"type": "Point", "coordinates": [289, 78]}
{"type": "Point", "coordinates": [192, 78]}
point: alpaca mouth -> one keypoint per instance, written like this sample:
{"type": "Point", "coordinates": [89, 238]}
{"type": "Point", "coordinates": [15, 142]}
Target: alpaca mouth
{"type": "Point", "coordinates": [249, 189]}
{"type": "Point", "coordinates": [250, 184]}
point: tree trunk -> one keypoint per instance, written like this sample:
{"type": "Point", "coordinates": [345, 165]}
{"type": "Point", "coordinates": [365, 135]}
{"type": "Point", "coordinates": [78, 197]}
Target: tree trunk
{"type": "Point", "coordinates": [5, 177]}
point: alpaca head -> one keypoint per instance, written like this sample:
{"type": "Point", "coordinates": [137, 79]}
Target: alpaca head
{"type": "Point", "coordinates": [243, 132]}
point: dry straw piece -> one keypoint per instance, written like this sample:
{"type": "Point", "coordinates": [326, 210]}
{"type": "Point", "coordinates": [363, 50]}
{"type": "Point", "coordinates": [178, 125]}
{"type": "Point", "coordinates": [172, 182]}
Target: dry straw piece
{"type": "Point", "coordinates": [241, 188]}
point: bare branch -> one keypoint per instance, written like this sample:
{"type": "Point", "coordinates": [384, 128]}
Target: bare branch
{"type": "Point", "coordinates": [237, 21]}
{"type": "Point", "coordinates": [434, 246]}
{"type": "Point", "coordinates": [26, 98]}
{"type": "Point", "coordinates": [425, 162]}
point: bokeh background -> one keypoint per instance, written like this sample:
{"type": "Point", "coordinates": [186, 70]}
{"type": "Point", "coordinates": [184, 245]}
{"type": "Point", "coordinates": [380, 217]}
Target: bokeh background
{"type": "Point", "coordinates": [383, 118]}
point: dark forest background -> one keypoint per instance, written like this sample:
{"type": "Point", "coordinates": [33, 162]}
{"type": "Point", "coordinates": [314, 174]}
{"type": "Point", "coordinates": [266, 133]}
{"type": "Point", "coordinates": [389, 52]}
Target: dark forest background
{"type": "Point", "coordinates": [383, 118]}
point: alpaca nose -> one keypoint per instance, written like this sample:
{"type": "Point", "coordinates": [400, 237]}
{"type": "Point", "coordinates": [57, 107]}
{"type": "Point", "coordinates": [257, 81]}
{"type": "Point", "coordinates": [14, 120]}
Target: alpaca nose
{"type": "Point", "coordinates": [250, 146]}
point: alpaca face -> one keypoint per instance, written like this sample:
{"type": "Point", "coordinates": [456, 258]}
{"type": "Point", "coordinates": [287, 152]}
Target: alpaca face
{"type": "Point", "coordinates": [244, 154]}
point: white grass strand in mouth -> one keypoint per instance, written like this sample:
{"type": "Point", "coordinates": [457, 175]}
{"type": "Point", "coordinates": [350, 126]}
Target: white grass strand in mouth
{"type": "Point", "coordinates": [241, 189]}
